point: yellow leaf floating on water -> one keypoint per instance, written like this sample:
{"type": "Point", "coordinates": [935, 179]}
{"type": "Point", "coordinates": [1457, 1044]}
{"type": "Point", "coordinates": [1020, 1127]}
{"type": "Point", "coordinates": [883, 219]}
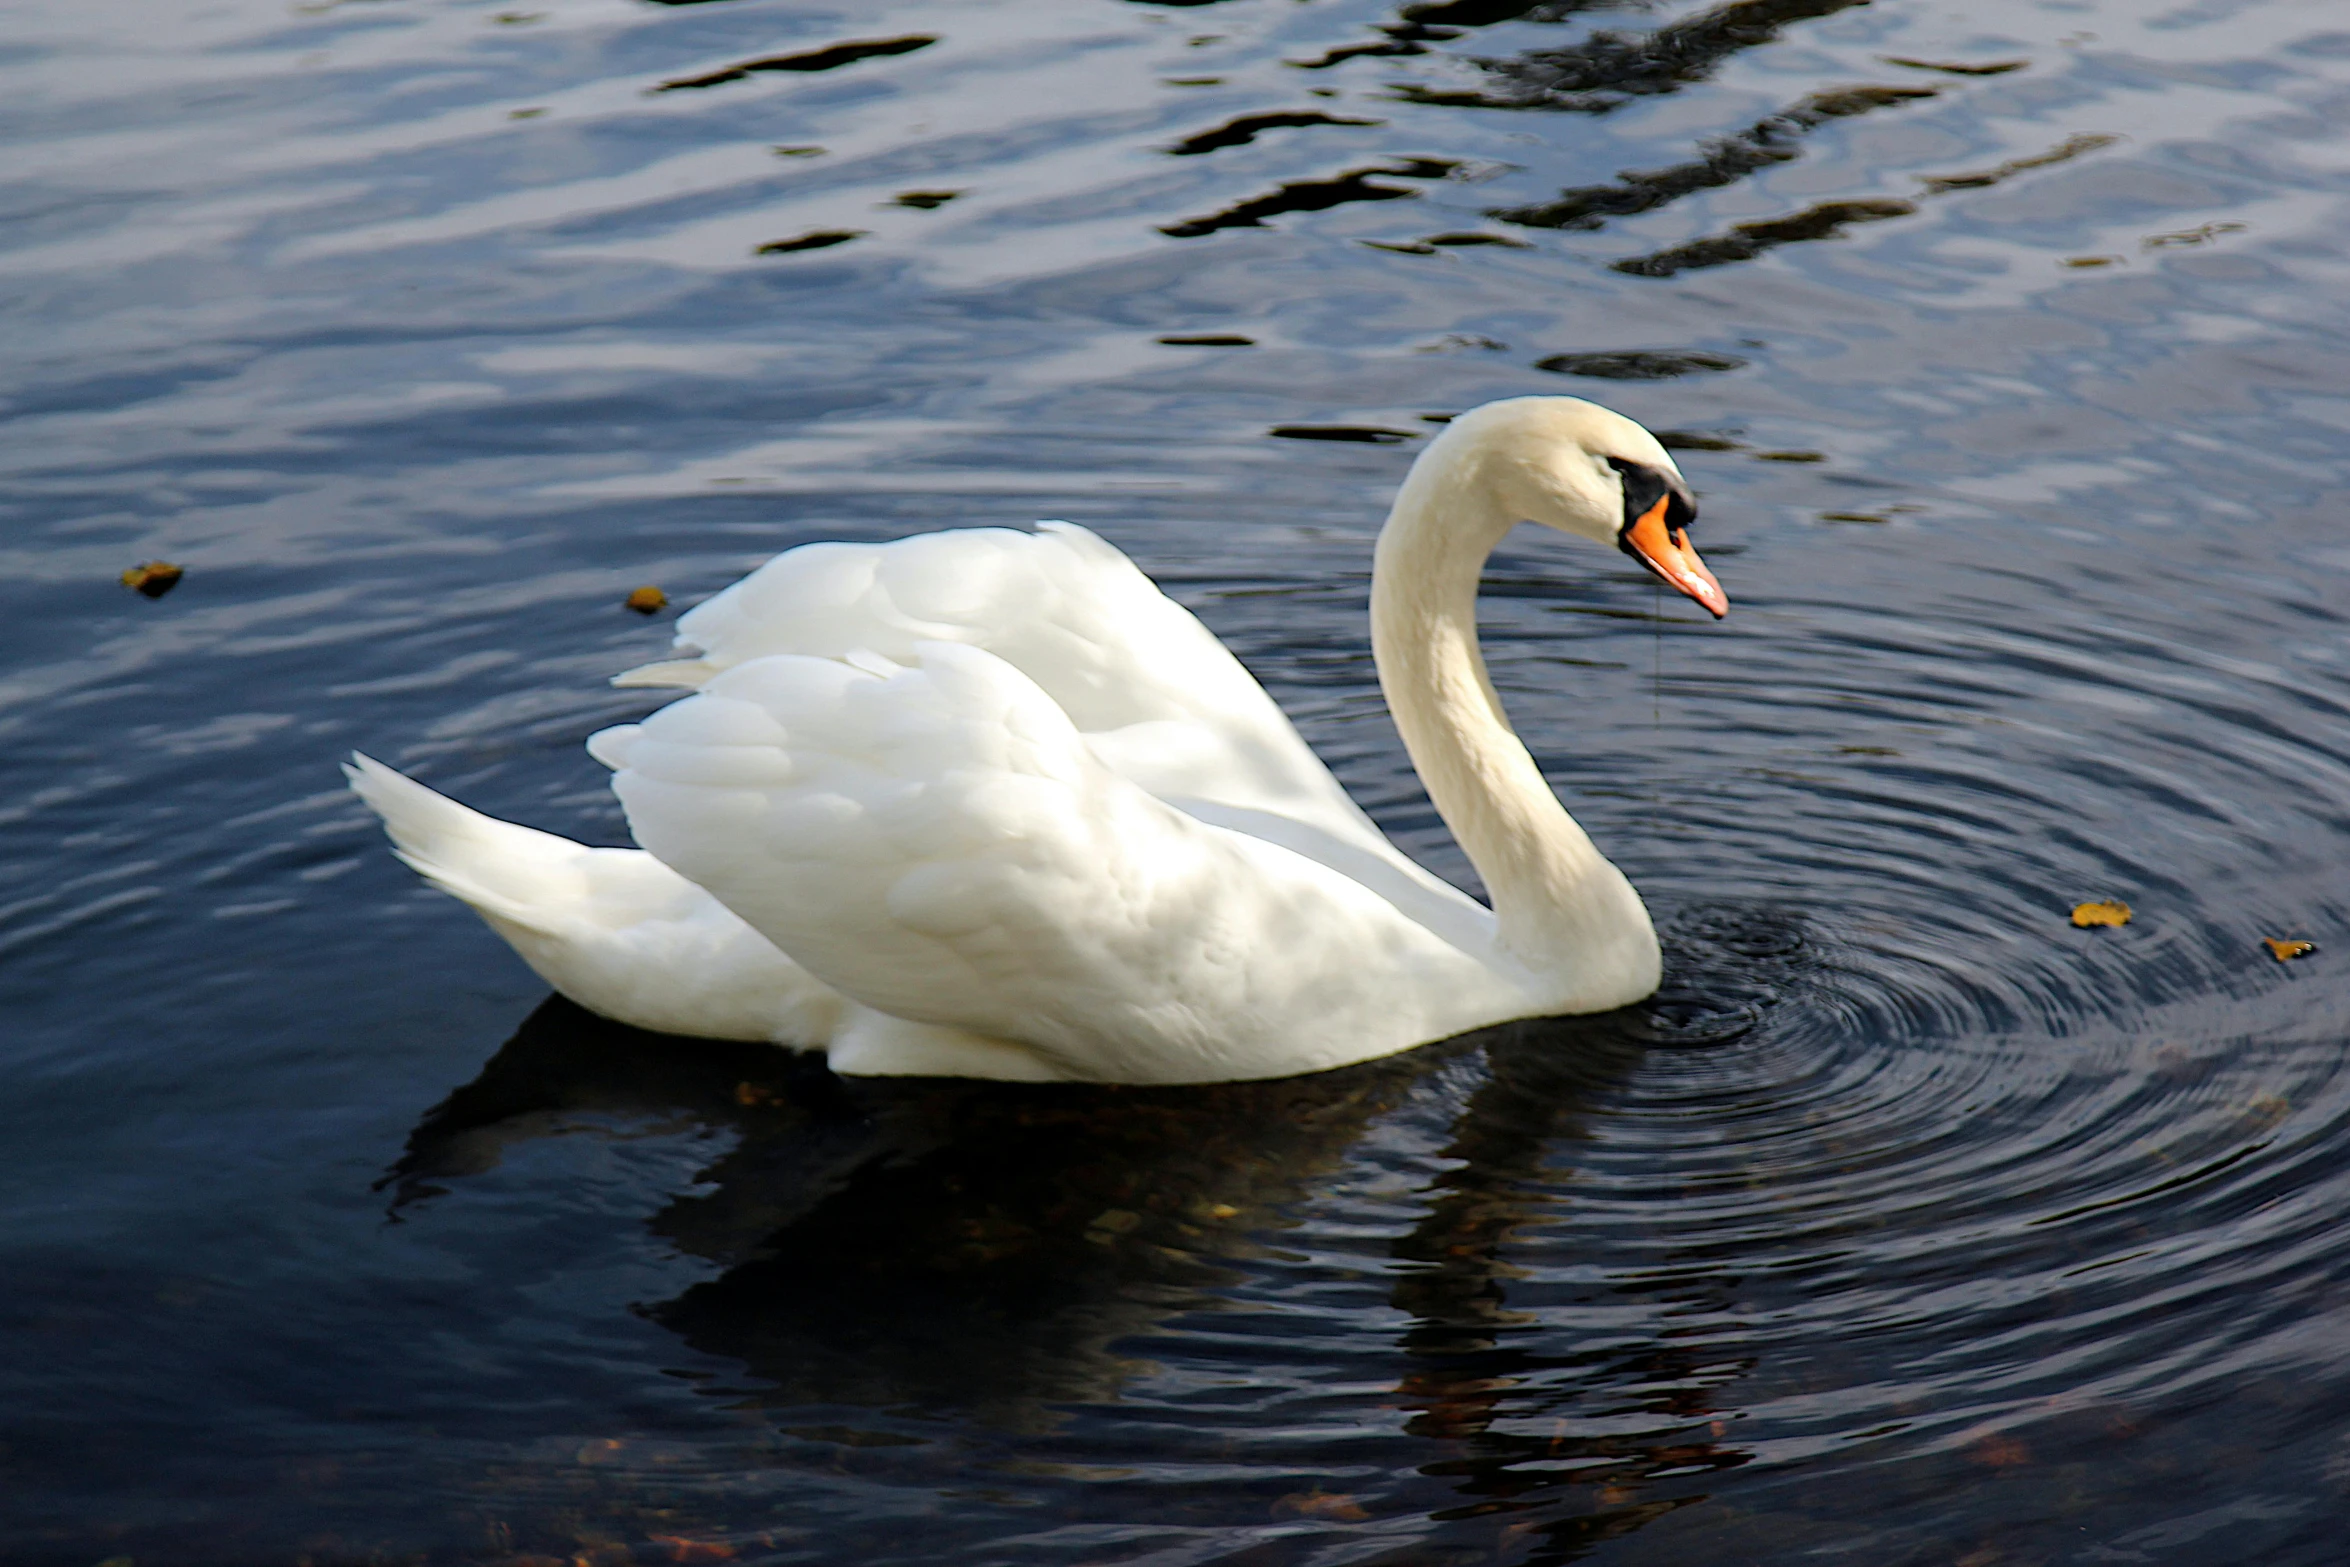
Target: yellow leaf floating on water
{"type": "Point", "coordinates": [648, 600]}
{"type": "Point", "coordinates": [2285, 951]}
{"type": "Point", "coordinates": [153, 578]}
{"type": "Point", "coordinates": [2110, 912]}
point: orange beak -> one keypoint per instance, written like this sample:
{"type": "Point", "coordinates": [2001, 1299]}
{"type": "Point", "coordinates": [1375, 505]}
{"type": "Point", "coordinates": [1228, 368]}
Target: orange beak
{"type": "Point", "coordinates": [1666, 552]}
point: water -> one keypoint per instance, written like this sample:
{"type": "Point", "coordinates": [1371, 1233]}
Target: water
{"type": "Point", "coordinates": [2006, 347]}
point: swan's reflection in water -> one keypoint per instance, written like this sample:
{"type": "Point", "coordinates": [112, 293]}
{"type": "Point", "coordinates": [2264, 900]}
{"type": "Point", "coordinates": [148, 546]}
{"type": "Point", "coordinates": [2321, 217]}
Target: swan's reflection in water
{"type": "Point", "coordinates": [982, 1250]}
{"type": "Point", "coordinates": [1478, 1362]}
{"type": "Point", "coordinates": [917, 1241]}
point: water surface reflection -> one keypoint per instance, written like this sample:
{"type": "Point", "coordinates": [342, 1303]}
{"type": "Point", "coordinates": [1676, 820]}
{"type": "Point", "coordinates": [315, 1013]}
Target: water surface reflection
{"type": "Point", "coordinates": [932, 1244]}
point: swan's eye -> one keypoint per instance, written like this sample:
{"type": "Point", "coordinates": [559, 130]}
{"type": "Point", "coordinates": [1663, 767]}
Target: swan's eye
{"type": "Point", "coordinates": [1644, 486]}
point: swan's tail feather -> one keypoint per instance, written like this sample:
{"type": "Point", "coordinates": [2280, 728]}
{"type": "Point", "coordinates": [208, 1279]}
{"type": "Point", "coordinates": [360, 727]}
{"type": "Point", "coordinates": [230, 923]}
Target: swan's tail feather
{"type": "Point", "coordinates": [691, 673]}
{"type": "Point", "coordinates": [510, 873]}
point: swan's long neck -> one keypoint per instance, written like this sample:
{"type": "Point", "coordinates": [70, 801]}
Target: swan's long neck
{"type": "Point", "coordinates": [1560, 906]}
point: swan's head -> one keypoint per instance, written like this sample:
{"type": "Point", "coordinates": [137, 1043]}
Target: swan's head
{"type": "Point", "coordinates": [1587, 470]}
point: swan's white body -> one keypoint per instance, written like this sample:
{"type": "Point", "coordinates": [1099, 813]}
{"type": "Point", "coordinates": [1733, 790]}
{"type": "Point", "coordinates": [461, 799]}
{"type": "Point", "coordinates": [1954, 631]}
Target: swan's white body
{"type": "Point", "coordinates": [1013, 813]}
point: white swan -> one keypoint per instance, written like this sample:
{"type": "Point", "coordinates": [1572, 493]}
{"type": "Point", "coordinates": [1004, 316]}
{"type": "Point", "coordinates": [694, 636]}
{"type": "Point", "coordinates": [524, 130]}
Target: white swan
{"type": "Point", "coordinates": [985, 803]}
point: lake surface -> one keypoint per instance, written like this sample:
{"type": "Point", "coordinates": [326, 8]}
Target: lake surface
{"type": "Point", "coordinates": [2008, 347]}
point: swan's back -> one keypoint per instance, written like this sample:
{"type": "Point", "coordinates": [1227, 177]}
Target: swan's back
{"type": "Point", "coordinates": [1158, 699]}
{"type": "Point", "coordinates": [1060, 605]}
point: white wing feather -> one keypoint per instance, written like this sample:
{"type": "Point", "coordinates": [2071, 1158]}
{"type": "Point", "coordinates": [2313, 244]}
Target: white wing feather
{"type": "Point", "coordinates": [940, 843]}
{"type": "Point", "coordinates": [614, 929]}
{"type": "Point", "coordinates": [1159, 699]}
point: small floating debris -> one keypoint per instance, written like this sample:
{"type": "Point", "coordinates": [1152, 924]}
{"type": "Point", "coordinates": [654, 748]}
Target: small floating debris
{"type": "Point", "coordinates": [816, 239]}
{"type": "Point", "coordinates": [1207, 340]}
{"type": "Point", "coordinates": [797, 151]}
{"type": "Point", "coordinates": [2111, 911]}
{"type": "Point", "coordinates": [1792, 456]}
{"type": "Point", "coordinates": [2285, 950]}
{"type": "Point", "coordinates": [154, 578]}
{"type": "Point", "coordinates": [524, 114]}
{"type": "Point", "coordinates": [925, 200]}
{"type": "Point", "coordinates": [648, 600]}
{"type": "Point", "coordinates": [2092, 261]}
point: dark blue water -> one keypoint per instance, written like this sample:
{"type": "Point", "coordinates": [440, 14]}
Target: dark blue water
{"type": "Point", "coordinates": [2007, 347]}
